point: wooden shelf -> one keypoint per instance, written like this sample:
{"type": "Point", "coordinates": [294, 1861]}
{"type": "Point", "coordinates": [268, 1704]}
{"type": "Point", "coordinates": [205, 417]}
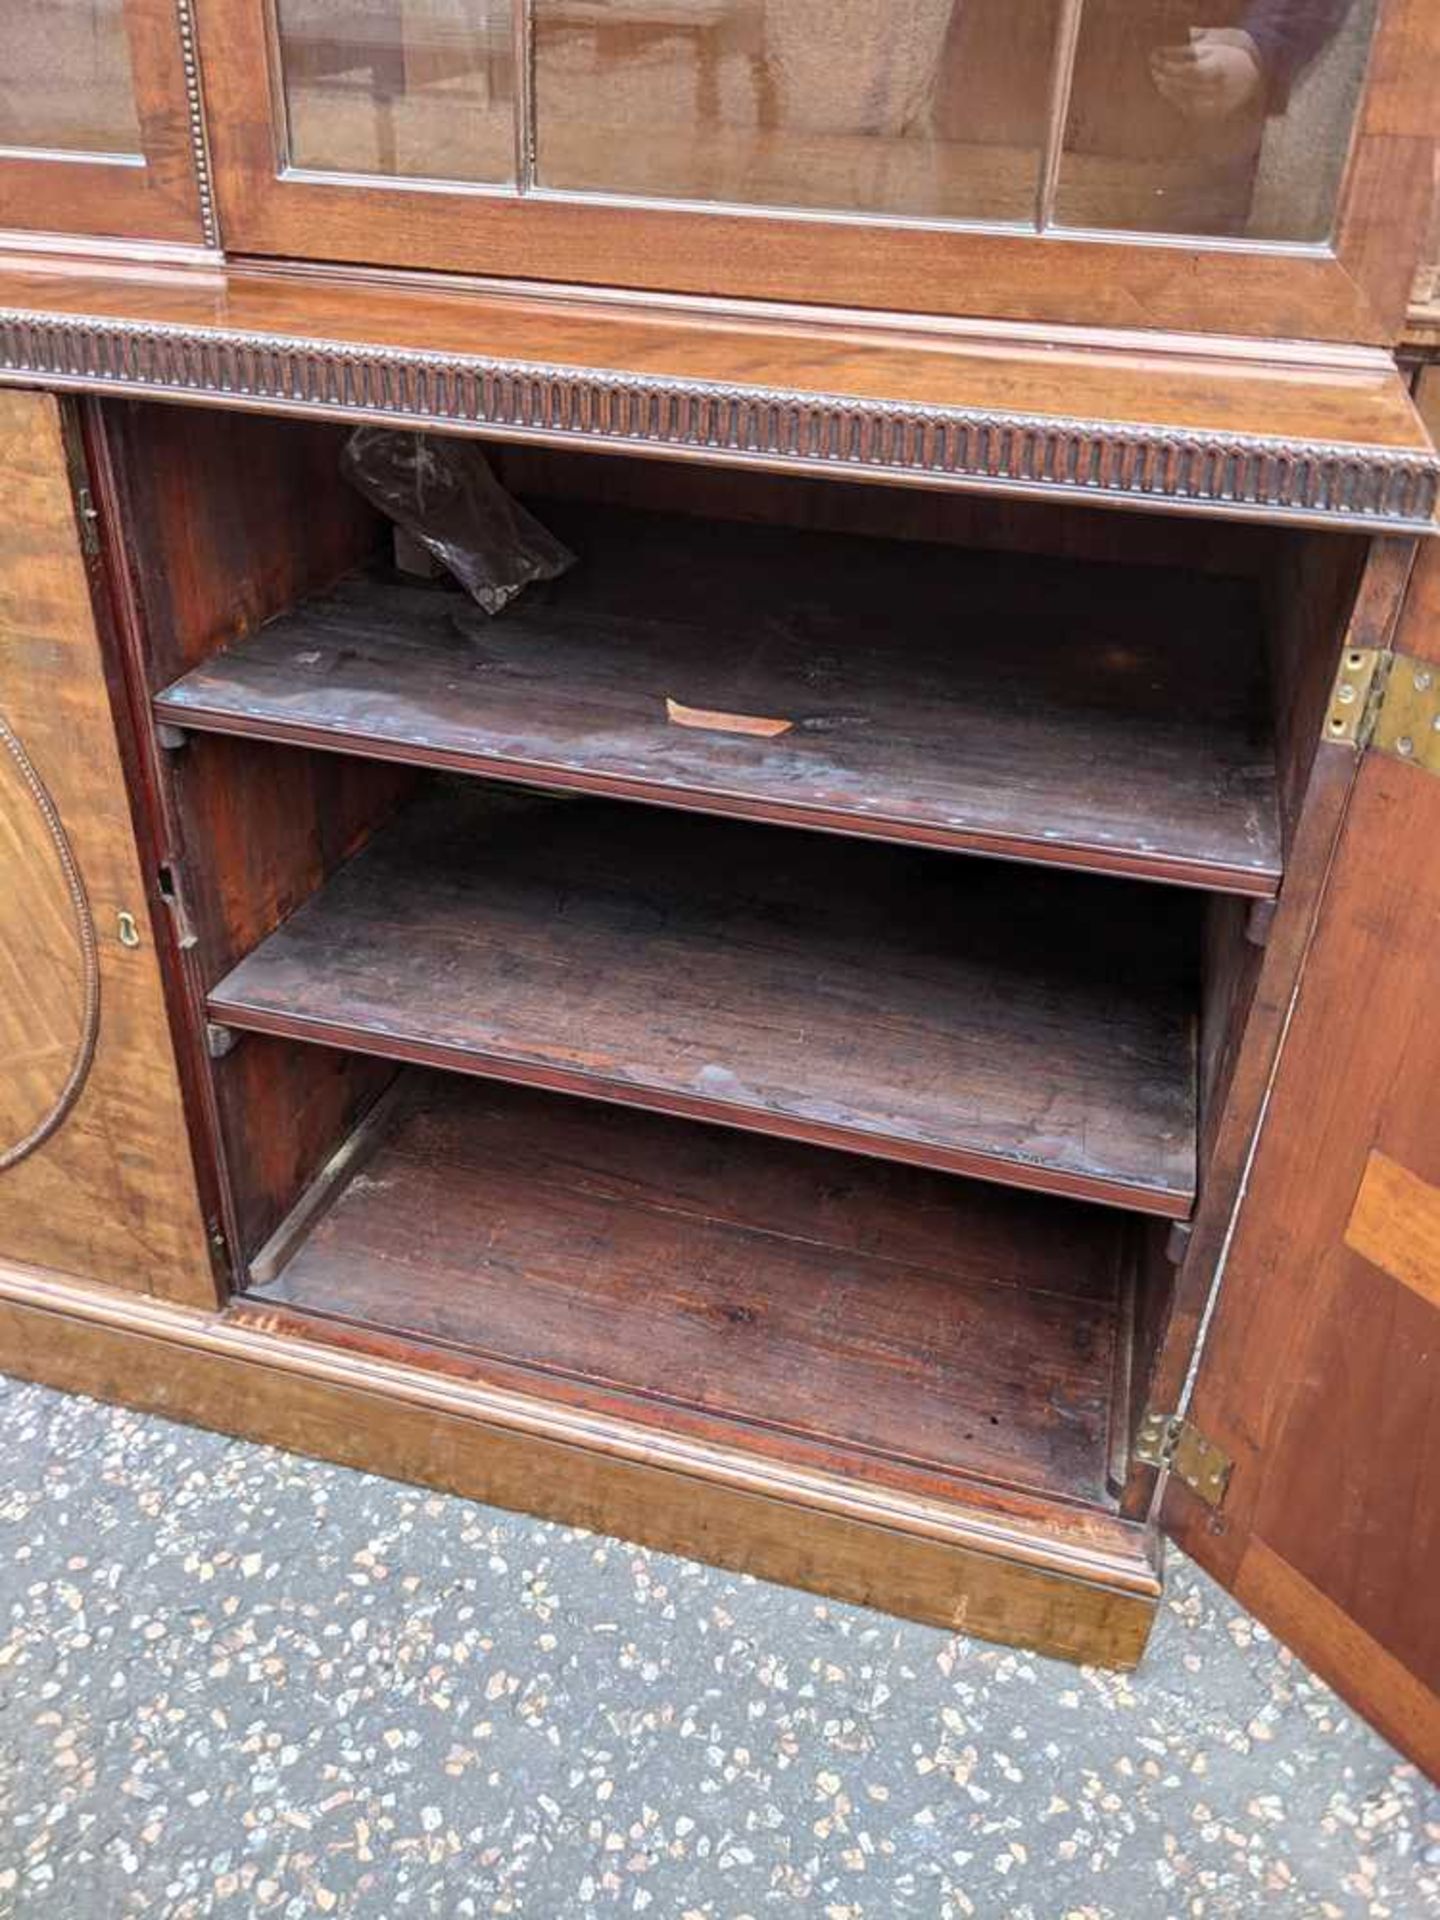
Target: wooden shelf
{"type": "Point", "coordinates": [807, 1305]}
{"type": "Point", "coordinates": [1073, 714]}
{"type": "Point", "coordinates": [971, 1016]}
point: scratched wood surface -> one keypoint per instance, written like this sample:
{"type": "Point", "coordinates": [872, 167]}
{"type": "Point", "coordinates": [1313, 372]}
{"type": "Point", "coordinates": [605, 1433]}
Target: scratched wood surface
{"type": "Point", "coordinates": [827, 1307]}
{"type": "Point", "coordinates": [969, 1015]}
{"type": "Point", "coordinates": [1032, 708]}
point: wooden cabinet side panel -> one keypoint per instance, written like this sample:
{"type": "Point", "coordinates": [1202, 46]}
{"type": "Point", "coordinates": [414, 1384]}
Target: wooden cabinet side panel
{"type": "Point", "coordinates": [1321, 1374]}
{"type": "Point", "coordinates": [99, 1180]}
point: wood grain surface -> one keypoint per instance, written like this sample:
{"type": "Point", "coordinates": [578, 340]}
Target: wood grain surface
{"type": "Point", "coordinates": [160, 199]}
{"type": "Point", "coordinates": [1319, 610]}
{"type": "Point", "coordinates": [1040, 710]}
{"type": "Point", "coordinates": [843, 1308]}
{"type": "Point", "coordinates": [111, 1195]}
{"type": "Point", "coordinates": [1261, 431]}
{"type": "Point", "coordinates": [1320, 1375]}
{"type": "Point", "coordinates": [1395, 1223]}
{"type": "Point", "coordinates": [967, 1015]}
{"type": "Point", "coordinates": [924, 265]}
{"type": "Point", "coordinates": [49, 985]}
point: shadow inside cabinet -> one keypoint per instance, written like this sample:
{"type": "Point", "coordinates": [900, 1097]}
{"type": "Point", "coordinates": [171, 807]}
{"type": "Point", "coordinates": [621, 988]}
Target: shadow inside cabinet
{"type": "Point", "coordinates": [777, 987]}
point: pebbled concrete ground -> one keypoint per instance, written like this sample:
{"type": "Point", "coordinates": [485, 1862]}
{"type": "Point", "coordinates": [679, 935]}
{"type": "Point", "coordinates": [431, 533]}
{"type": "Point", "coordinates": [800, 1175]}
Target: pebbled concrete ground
{"type": "Point", "coordinates": [233, 1682]}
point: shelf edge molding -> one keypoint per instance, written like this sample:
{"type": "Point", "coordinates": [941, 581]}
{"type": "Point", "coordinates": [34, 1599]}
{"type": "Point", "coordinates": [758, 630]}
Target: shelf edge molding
{"type": "Point", "coordinates": [530, 951]}
{"type": "Point", "coordinates": [1048, 456]}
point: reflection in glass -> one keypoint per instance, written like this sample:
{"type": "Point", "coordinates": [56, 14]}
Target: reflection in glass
{"type": "Point", "coordinates": [928, 108]}
{"type": "Point", "coordinates": [1229, 117]}
{"type": "Point", "coordinates": [419, 89]}
{"type": "Point", "coordinates": [65, 82]}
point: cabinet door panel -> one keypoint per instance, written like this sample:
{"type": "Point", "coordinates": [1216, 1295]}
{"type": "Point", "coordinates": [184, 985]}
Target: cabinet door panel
{"type": "Point", "coordinates": [1321, 1373]}
{"type": "Point", "coordinates": [96, 1177]}
{"type": "Point", "coordinates": [423, 90]}
{"type": "Point", "coordinates": [854, 106]}
{"type": "Point", "coordinates": [97, 122]}
{"type": "Point", "coordinates": [909, 154]}
{"type": "Point", "coordinates": [1239, 127]}
{"type": "Point", "coordinates": [68, 85]}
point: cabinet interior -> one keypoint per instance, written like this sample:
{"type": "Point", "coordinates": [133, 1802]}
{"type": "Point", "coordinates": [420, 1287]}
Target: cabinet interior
{"type": "Point", "coordinates": [780, 982]}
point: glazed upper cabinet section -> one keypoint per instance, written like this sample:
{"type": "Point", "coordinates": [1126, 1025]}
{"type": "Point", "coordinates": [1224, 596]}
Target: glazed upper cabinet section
{"type": "Point", "coordinates": [1111, 114]}
{"type": "Point", "coordinates": [69, 86]}
{"type": "Point", "coordinates": [97, 124]}
{"type": "Point", "coordinates": [885, 108]}
{"type": "Point", "coordinates": [1242, 165]}
{"type": "Point", "coordinates": [1119, 115]}
{"type": "Point", "coordinates": [420, 90]}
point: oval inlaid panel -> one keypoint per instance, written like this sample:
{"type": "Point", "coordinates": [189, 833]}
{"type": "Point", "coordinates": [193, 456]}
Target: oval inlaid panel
{"type": "Point", "coordinates": [49, 979]}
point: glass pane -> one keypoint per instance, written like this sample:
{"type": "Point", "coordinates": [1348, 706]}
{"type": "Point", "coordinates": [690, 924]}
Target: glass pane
{"type": "Point", "coordinates": [931, 108]}
{"type": "Point", "coordinates": [65, 80]}
{"type": "Point", "coordinates": [419, 89]}
{"type": "Point", "coordinates": [1229, 118]}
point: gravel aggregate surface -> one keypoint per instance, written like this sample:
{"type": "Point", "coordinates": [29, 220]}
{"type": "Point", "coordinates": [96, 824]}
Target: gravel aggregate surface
{"type": "Point", "coordinates": [236, 1682]}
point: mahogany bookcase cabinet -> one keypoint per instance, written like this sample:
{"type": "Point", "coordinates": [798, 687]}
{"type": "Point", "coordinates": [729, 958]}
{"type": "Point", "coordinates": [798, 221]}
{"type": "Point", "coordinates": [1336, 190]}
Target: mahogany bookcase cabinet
{"type": "Point", "coordinates": [880, 1030]}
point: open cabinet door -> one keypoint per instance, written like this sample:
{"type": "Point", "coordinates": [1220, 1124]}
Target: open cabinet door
{"type": "Point", "coordinates": [1320, 1375]}
{"type": "Point", "coordinates": [97, 1178]}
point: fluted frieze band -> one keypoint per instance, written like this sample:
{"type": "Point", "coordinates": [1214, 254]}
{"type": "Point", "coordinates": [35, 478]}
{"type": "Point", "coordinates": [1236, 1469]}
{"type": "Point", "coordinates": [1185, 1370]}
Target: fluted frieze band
{"type": "Point", "coordinates": [1383, 489]}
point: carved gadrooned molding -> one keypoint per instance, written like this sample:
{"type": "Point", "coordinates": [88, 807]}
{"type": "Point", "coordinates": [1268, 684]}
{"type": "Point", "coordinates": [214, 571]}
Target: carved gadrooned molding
{"type": "Point", "coordinates": [43, 885]}
{"type": "Point", "coordinates": [1383, 489]}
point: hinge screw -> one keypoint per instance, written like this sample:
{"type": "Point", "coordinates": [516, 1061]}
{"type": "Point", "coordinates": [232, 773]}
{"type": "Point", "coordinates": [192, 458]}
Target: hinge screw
{"type": "Point", "coordinates": [1346, 696]}
{"type": "Point", "coordinates": [1423, 680]}
{"type": "Point", "coordinates": [1405, 746]}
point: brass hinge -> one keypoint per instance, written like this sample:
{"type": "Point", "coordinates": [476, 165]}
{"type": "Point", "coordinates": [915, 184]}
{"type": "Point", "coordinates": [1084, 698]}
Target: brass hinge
{"type": "Point", "coordinates": [1359, 681]}
{"type": "Point", "coordinates": [88, 516]}
{"type": "Point", "coordinates": [1407, 720]}
{"type": "Point", "coordinates": [168, 883]}
{"type": "Point", "coordinates": [1389, 702]}
{"type": "Point", "coordinates": [220, 1254]}
{"type": "Point", "coordinates": [1171, 1444]}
